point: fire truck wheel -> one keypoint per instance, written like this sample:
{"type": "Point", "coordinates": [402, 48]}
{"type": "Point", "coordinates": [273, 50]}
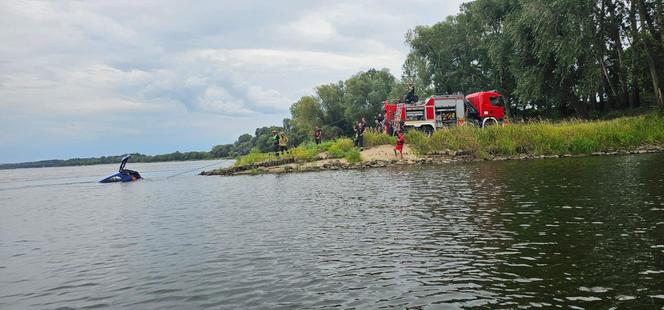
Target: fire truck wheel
{"type": "Point", "coordinates": [489, 122]}
{"type": "Point", "coordinates": [472, 123]}
{"type": "Point", "coordinates": [427, 130]}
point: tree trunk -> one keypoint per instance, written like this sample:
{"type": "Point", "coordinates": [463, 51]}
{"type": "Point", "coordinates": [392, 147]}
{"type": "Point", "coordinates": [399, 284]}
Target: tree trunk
{"type": "Point", "coordinates": [613, 32]}
{"type": "Point", "coordinates": [646, 23]}
{"type": "Point", "coordinates": [660, 20]}
{"type": "Point", "coordinates": [634, 100]}
{"type": "Point", "coordinates": [607, 79]}
{"type": "Point", "coordinates": [506, 92]}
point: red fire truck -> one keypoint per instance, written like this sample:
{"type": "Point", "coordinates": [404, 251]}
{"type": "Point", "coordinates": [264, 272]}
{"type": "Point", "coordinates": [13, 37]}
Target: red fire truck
{"type": "Point", "coordinates": [478, 109]}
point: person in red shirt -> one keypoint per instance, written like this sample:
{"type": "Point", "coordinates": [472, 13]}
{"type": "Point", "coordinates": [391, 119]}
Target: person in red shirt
{"type": "Point", "coordinates": [401, 140]}
{"type": "Point", "coordinates": [317, 135]}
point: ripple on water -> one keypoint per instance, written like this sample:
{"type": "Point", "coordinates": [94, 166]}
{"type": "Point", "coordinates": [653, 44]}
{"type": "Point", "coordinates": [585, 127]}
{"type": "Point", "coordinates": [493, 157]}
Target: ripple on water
{"type": "Point", "coordinates": [435, 237]}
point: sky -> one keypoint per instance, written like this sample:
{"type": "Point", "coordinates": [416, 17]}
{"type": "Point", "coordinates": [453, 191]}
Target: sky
{"type": "Point", "coordinates": [94, 78]}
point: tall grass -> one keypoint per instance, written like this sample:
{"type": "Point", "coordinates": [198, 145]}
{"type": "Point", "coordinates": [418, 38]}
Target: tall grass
{"type": "Point", "coordinates": [373, 138]}
{"type": "Point", "coordinates": [545, 138]}
{"type": "Point", "coordinates": [253, 157]}
{"type": "Point", "coordinates": [340, 148]}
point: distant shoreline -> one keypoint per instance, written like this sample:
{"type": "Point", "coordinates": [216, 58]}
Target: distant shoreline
{"type": "Point", "coordinates": [54, 163]}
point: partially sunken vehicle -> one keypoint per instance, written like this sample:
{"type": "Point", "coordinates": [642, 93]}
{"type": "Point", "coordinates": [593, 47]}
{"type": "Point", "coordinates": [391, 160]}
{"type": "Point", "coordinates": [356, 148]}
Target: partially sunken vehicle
{"type": "Point", "coordinates": [123, 175]}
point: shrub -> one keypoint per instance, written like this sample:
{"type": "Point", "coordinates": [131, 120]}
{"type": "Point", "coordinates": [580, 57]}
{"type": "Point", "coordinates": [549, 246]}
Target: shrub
{"type": "Point", "coordinates": [340, 148]}
{"type": "Point", "coordinates": [304, 152]}
{"type": "Point", "coordinates": [353, 156]}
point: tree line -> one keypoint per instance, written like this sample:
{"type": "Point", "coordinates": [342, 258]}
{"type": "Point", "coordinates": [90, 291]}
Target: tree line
{"type": "Point", "coordinates": [135, 157]}
{"type": "Point", "coordinates": [554, 58]}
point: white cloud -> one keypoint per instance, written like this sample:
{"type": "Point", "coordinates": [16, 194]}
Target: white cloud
{"type": "Point", "coordinates": [292, 61]}
{"type": "Point", "coordinates": [311, 27]}
{"type": "Point", "coordinates": [217, 99]}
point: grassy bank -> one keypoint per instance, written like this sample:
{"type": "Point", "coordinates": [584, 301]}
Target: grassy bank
{"type": "Point", "coordinates": [339, 148]}
{"type": "Point", "coordinates": [538, 138]}
{"type": "Point", "coordinates": [545, 138]}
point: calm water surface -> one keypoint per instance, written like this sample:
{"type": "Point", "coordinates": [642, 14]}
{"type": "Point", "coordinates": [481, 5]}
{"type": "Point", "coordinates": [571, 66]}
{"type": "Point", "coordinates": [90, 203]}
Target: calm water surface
{"type": "Point", "coordinates": [580, 233]}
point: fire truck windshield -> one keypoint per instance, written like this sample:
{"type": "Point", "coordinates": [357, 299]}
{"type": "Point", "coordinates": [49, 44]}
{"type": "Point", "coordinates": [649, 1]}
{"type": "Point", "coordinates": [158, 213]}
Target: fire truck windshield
{"type": "Point", "coordinates": [498, 100]}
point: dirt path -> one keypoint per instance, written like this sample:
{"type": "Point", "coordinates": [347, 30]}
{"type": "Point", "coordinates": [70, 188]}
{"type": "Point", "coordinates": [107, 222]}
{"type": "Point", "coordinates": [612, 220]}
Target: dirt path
{"type": "Point", "coordinates": [386, 152]}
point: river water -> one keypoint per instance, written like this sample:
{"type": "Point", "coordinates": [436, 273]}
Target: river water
{"type": "Point", "coordinates": [577, 232]}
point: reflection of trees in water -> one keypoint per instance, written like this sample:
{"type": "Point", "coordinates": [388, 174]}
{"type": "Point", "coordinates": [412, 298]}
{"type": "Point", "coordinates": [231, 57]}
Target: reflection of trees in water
{"type": "Point", "coordinates": [513, 233]}
{"type": "Point", "coordinates": [459, 230]}
{"type": "Point", "coordinates": [584, 223]}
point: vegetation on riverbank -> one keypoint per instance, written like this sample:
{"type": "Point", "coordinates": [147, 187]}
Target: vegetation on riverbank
{"type": "Point", "coordinates": [535, 138]}
{"type": "Point", "coordinates": [306, 152]}
{"type": "Point", "coordinates": [546, 138]}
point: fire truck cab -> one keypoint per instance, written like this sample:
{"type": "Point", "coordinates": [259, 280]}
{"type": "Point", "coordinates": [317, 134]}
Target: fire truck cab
{"type": "Point", "coordinates": [480, 109]}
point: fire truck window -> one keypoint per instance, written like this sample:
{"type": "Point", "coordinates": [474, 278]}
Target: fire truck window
{"type": "Point", "coordinates": [494, 100]}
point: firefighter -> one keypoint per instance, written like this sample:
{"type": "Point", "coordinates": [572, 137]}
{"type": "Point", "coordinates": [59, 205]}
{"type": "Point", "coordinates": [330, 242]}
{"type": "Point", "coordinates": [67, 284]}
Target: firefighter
{"type": "Point", "coordinates": [283, 143]}
{"type": "Point", "coordinates": [360, 128]}
{"type": "Point", "coordinates": [379, 122]}
{"type": "Point", "coordinates": [317, 135]}
{"type": "Point", "coordinates": [410, 96]}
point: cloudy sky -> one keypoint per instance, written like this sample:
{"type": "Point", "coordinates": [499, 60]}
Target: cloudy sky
{"type": "Point", "coordinates": [92, 78]}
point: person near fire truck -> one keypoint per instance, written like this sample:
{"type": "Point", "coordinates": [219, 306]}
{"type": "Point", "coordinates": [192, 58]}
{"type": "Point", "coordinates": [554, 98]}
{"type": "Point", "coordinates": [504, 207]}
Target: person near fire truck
{"type": "Point", "coordinates": [317, 135]}
{"type": "Point", "coordinates": [401, 140]}
{"type": "Point", "coordinates": [410, 96]}
{"type": "Point", "coordinates": [379, 122]}
{"type": "Point", "coordinates": [360, 128]}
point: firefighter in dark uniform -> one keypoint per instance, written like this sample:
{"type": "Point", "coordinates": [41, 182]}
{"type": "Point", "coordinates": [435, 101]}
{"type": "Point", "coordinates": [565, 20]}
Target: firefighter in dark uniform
{"type": "Point", "coordinates": [410, 96]}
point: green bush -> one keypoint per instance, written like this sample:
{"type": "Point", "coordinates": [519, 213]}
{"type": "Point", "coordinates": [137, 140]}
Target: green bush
{"type": "Point", "coordinates": [340, 148]}
{"type": "Point", "coordinates": [353, 156]}
{"type": "Point", "coordinates": [304, 152]}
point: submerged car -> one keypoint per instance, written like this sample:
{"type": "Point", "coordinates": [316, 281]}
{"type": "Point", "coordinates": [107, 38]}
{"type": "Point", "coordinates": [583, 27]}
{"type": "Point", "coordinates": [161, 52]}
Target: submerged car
{"type": "Point", "coordinates": [123, 175]}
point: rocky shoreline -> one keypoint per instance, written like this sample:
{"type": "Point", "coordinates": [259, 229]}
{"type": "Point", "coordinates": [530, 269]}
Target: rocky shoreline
{"type": "Point", "coordinates": [290, 165]}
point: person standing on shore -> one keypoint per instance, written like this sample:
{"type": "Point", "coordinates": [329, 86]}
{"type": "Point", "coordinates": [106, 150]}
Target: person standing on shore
{"type": "Point", "coordinates": [360, 128]}
{"type": "Point", "coordinates": [401, 140]}
{"type": "Point", "coordinates": [283, 143]}
{"type": "Point", "coordinates": [317, 135]}
{"type": "Point", "coordinates": [379, 122]}
{"type": "Point", "coordinates": [275, 142]}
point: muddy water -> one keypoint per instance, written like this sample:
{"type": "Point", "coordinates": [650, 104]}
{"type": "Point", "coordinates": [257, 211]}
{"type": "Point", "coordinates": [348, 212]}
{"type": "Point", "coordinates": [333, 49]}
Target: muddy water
{"type": "Point", "coordinates": [583, 232]}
